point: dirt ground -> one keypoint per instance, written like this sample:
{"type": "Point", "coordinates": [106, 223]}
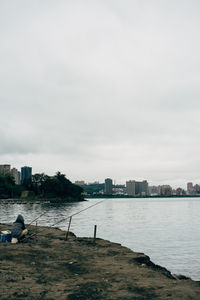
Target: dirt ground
{"type": "Point", "coordinates": [49, 267]}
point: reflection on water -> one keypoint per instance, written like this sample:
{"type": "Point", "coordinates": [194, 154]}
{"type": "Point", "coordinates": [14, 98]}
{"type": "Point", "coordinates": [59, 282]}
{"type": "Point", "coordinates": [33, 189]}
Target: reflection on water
{"type": "Point", "coordinates": [164, 229]}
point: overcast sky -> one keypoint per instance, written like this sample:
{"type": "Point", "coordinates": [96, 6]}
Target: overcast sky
{"type": "Point", "coordinates": [97, 89]}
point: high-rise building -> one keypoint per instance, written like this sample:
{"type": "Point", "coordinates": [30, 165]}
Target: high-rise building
{"type": "Point", "coordinates": [137, 188]}
{"type": "Point", "coordinates": [16, 174]}
{"type": "Point", "coordinates": [26, 173]}
{"type": "Point", "coordinates": [130, 187]}
{"type": "Point", "coordinates": [190, 188]}
{"type": "Point", "coordinates": [4, 169]}
{"type": "Point", "coordinates": [141, 188]}
{"type": "Point", "coordinates": [196, 188]}
{"type": "Point", "coordinates": [108, 186]}
{"type": "Point", "coordinates": [19, 177]}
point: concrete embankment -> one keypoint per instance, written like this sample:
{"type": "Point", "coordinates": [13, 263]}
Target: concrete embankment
{"type": "Point", "coordinates": [49, 267]}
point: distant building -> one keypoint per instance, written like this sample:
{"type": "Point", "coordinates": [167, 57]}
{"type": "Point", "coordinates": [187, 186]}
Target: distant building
{"type": "Point", "coordinates": [19, 177]}
{"type": "Point", "coordinates": [16, 174]}
{"type": "Point", "coordinates": [193, 189]}
{"type": "Point", "coordinates": [190, 188]}
{"type": "Point", "coordinates": [197, 189]}
{"type": "Point", "coordinates": [4, 169]}
{"type": "Point", "coordinates": [119, 189]}
{"type": "Point", "coordinates": [165, 190]}
{"type": "Point", "coordinates": [153, 190]}
{"type": "Point", "coordinates": [26, 173]}
{"type": "Point", "coordinates": [137, 188]}
{"type": "Point", "coordinates": [130, 187]}
{"type": "Point", "coordinates": [180, 191]}
{"type": "Point", "coordinates": [141, 188]}
{"type": "Point", "coordinates": [80, 182]}
{"type": "Point", "coordinates": [108, 186]}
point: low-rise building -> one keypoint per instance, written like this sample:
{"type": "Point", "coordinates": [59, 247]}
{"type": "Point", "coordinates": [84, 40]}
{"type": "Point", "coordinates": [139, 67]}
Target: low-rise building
{"type": "Point", "coordinates": [153, 190]}
{"type": "Point", "coordinates": [165, 190]}
{"type": "Point", "coordinates": [80, 182]}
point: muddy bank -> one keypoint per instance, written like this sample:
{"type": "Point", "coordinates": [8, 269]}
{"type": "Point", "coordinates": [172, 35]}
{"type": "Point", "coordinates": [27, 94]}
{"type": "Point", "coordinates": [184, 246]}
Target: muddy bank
{"type": "Point", "coordinates": [49, 267]}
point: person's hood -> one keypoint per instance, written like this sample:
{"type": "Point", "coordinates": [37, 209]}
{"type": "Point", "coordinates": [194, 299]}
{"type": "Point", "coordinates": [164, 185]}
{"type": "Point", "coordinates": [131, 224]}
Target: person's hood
{"type": "Point", "coordinates": [20, 219]}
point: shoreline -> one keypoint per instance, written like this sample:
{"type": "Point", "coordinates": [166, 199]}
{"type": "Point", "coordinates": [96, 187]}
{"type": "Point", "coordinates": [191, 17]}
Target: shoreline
{"type": "Point", "coordinates": [49, 267]}
{"type": "Point", "coordinates": [140, 197]}
{"type": "Point", "coordinates": [57, 200]}
{"type": "Point", "coordinates": [37, 201]}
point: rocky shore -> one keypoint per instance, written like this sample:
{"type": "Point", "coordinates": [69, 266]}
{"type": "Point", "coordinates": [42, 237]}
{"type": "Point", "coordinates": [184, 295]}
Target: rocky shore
{"type": "Point", "coordinates": [47, 266]}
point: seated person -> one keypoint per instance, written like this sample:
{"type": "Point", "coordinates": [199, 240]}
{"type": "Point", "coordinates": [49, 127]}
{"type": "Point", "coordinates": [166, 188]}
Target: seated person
{"type": "Point", "coordinates": [18, 230]}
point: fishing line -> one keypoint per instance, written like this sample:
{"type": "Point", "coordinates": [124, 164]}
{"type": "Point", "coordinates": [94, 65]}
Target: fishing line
{"type": "Point", "coordinates": [76, 213]}
{"type": "Point", "coordinates": [37, 218]}
{"type": "Point", "coordinates": [63, 218]}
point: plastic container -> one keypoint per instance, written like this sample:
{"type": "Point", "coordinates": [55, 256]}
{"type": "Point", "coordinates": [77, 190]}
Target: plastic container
{"type": "Point", "coordinates": [5, 236]}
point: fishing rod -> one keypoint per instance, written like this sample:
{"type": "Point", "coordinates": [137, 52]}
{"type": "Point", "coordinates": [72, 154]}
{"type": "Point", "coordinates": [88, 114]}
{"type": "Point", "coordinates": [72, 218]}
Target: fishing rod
{"type": "Point", "coordinates": [37, 218]}
{"type": "Point", "coordinates": [77, 213]}
{"type": "Point", "coordinates": [66, 218]}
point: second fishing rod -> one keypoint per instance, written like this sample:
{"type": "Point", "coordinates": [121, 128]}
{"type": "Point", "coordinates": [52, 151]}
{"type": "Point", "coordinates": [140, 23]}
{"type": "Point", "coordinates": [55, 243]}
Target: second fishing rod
{"type": "Point", "coordinates": [64, 219]}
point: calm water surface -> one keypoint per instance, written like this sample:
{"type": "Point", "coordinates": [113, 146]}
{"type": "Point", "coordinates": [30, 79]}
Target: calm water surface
{"type": "Point", "coordinates": [165, 229]}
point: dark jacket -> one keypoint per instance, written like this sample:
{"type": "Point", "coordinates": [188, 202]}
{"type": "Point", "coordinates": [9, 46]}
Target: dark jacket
{"type": "Point", "coordinates": [17, 227]}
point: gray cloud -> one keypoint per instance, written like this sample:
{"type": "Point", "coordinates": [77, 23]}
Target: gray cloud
{"type": "Point", "coordinates": [101, 88]}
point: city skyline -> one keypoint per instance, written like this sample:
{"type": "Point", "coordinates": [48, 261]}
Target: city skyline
{"type": "Point", "coordinates": [106, 89]}
{"type": "Point", "coordinates": [6, 168]}
{"type": "Point", "coordinates": [131, 187]}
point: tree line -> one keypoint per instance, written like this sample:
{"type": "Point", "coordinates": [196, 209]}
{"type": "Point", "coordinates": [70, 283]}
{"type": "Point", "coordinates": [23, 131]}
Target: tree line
{"type": "Point", "coordinates": [41, 186]}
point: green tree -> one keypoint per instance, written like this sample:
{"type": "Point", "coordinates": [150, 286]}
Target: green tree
{"type": "Point", "coordinates": [8, 188]}
{"type": "Point", "coordinates": [57, 186]}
